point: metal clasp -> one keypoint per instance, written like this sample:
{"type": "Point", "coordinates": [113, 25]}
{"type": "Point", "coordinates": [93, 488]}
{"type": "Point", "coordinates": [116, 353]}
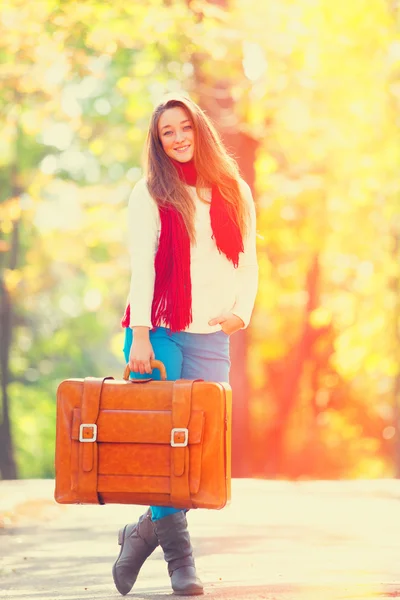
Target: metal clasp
{"type": "Point", "coordinates": [83, 426]}
{"type": "Point", "coordinates": [183, 430]}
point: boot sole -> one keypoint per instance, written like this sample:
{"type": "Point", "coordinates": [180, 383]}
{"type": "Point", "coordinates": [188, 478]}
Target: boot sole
{"type": "Point", "coordinates": [121, 540]}
{"type": "Point", "coordinates": [194, 591]}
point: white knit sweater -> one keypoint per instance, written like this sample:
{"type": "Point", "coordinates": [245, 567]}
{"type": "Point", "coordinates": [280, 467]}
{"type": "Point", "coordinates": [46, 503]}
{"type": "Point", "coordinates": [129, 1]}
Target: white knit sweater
{"type": "Point", "coordinates": [217, 287]}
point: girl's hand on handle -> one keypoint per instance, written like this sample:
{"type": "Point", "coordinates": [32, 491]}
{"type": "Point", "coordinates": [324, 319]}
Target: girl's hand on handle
{"type": "Point", "coordinates": [229, 322]}
{"type": "Point", "coordinates": [141, 351]}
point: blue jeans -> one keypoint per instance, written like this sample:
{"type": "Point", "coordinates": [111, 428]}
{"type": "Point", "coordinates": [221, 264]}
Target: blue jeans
{"type": "Point", "coordinates": [185, 356]}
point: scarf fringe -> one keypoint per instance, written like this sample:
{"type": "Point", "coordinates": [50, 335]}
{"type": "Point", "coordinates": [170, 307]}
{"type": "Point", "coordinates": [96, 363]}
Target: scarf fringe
{"type": "Point", "coordinates": [172, 304]}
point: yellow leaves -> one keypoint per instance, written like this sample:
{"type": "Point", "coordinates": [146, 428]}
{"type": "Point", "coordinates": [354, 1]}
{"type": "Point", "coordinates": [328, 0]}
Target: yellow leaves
{"type": "Point", "coordinates": [320, 317]}
{"type": "Point", "coordinates": [7, 142]}
{"type": "Point", "coordinates": [102, 39]}
{"type": "Point", "coordinates": [6, 227]}
{"type": "Point", "coordinates": [373, 362]}
{"type": "Point", "coordinates": [144, 68]}
{"type": "Point", "coordinates": [390, 366]}
{"type": "Point", "coordinates": [265, 165]}
{"type": "Point", "coordinates": [97, 146]}
{"type": "Point", "coordinates": [78, 12]}
{"type": "Point", "coordinates": [32, 122]}
{"type": "Point", "coordinates": [22, 27]}
{"type": "Point", "coordinates": [370, 465]}
{"type": "Point", "coordinates": [12, 278]}
{"type": "Point", "coordinates": [37, 184]}
{"type": "Point", "coordinates": [126, 84]}
{"type": "Point", "coordinates": [64, 248]}
{"type": "Point", "coordinates": [344, 306]}
{"type": "Point", "coordinates": [111, 28]}
{"type": "Point", "coordinates": [21, 16]}
{"type": "Point", "coordinates": [256, 116]}
{"type": "Point", "coordinates": [10, 211]}
{"type": "Point", "coordinates": [346, 18]}
{"type": "Point", "coordinates": [365, 346]}
{"type": "Point", "coordinates": [136, 111]}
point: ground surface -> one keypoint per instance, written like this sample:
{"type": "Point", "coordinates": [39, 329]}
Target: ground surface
{"type": "Point", "coordinates": [276, 541]}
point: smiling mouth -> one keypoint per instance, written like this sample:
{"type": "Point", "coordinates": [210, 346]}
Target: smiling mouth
{"type": "Point", "coordinates": [182, 149]}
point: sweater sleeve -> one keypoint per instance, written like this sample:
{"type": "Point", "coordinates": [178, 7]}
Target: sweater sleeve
{"type": "Point", "coordinates": [143, 227]}
{"type": "Point", "coordinates": [247, 271]}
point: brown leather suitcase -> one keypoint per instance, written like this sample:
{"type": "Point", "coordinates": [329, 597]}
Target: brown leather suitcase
{"type": "Point", "coordinates": [163, 443]}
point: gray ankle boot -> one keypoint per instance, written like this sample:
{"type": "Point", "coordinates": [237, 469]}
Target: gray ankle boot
{"type": "Point", "coordinates": [137, 542]}
{"type": "Point", "coordinates": [174, 539]}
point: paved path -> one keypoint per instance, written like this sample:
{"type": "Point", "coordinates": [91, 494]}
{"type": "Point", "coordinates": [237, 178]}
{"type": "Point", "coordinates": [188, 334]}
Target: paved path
{"type": "Point", "coordinates": [276, 541]}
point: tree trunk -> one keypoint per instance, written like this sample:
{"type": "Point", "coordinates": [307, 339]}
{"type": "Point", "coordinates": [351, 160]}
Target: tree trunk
{"type": "Point", "coordinates": [8, 468]}
{"type": "Point", "coordinates": [395, 286]}
{"type": "Point", "coordinates": [291, 377]}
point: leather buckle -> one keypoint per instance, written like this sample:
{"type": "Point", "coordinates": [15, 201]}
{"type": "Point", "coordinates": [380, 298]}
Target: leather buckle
{"type": "Point", "coordinates": [84, 426]}
{"type": "Point", "coordinates": [179, 430]}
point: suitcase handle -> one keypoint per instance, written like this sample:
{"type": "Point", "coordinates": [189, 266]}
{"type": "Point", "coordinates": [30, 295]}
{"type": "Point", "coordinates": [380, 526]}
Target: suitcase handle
{"type": "Point", "coordinates": [154, 364]}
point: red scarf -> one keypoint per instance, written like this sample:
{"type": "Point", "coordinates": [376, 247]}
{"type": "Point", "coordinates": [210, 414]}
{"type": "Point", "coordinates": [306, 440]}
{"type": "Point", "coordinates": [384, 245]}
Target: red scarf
{"type": "Point", "coordinates": [172, 299]}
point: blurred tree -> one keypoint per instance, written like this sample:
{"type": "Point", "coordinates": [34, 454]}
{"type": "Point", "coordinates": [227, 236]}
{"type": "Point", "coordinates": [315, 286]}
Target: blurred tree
{"type": "Point", "coordinates": [75, 95]}
{"type": "Point", "coordinates": [87, 78]}
{"type": "Point", "coordinates": [327, 169]}
{"type": "Point", "coordinates": [7, 462]}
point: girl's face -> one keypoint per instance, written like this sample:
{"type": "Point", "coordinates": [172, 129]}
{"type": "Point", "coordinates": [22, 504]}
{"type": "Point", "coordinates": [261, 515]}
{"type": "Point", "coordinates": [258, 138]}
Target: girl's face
{"type": "Point", "coordinates": [175, 130]}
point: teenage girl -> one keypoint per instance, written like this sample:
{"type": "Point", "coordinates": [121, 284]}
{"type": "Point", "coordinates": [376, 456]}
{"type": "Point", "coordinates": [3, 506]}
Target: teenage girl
{"type": "Point", "coordinates": [194, 275]}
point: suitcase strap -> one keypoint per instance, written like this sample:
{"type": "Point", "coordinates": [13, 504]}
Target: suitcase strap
{"type": "Point", "coordinates": [181, 410]}
{"type": "Point", "coordinates": [88, 450]}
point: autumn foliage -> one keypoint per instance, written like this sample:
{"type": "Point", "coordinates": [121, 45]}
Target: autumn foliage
{"type": "Point", "coordinates": [307, 96]}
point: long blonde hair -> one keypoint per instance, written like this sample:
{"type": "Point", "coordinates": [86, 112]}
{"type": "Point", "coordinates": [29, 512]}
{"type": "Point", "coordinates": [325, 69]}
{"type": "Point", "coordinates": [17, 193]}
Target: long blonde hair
{"type": "Point", "coordinates": [213, 164]}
